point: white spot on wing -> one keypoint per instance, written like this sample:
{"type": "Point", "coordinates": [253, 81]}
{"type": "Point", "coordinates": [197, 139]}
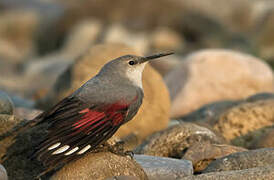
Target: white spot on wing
{"type": "Point", "coordinates": [72, 151]}
{"type": "Point", "coordinates": [54, 146]}
{"type": "Point", "coordinates": [61, 149]}
{"type": "Point", "coordinates": [84, 149]}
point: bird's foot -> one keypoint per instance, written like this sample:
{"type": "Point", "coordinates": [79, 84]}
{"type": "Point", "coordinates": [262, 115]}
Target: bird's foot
{"type": "Point", "coordinates": [118, 148]}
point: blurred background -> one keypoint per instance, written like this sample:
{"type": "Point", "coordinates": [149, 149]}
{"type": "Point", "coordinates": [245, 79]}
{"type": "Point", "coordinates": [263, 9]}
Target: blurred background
{"type": "Point", "coordinates": [40, 39]}
{"type": "Point", "coordinates": [220, 77]}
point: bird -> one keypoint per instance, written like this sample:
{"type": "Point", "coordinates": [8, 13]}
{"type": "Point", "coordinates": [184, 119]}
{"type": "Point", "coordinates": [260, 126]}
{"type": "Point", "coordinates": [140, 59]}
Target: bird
{"type": "Point", "coordinates": [93, 113]}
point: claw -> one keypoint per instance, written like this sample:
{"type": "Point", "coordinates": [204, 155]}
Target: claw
{"type": "Point", "coordinates": [118, 149]}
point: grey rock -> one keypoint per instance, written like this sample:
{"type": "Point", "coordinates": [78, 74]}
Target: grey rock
{"type": "Point", "coordinates": [209, 112]}
{"type": "Point", "coordinates": [172, 141]}
{"type": "Point", "coordinates": [6, 105]}
{"type": "Point", "coordinates": [161, 168]}
{"type": "Point", "coordinates": [243, 160]}
{"type": "Point", "coordinates": [259, 138]}
{"type": "Point", "coordinates": [260, 96]}
{"type": "Point", "coordinates": [25, 113]}
{"type": "Point", "coordinates": [259, 173]}
{"type": "Point", "coordinates": [21, 102]}
{"type": "Point", "coordinates": [3, 173]}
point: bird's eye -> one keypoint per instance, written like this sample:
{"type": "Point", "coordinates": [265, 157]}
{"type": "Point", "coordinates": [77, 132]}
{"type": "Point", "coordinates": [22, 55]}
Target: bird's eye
{"type": "Point", "coordinates": [131, 63]}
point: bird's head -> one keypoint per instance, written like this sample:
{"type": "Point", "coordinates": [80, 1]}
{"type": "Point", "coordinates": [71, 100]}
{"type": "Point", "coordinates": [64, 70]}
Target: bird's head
{"type": "Point", "coordinates": [129, 66]}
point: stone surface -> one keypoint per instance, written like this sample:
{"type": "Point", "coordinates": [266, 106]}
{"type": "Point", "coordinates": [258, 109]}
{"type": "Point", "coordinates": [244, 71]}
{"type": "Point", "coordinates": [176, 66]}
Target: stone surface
{"type": "Point", "coordinates": [81, 37]}
{"type": "Point", "coordinates": [18, 44]}
{"type": "Point", "coordinates": [235, 15]}
{"type": "Point", "coordinates": [25, 113]}
{"type": "Point", "coordinates": [43, 71]}
{"type": "Point", "coordinates": [126, 12]}
{"type": "Point", "coordinates": [244, 118]}
{"type": "Point", "coordinates": [3, 173]}
{"type": "Point", "coordinates": [6, 105]}
{"type": "Point", "coordinates": [264, 39]}
{"type": "Point", "coordinates": [21, 102]}
{"type": "Point", "coordinates": [172, 141]}
{"type": "Point", "coordinates": [243, 160]}
{"type": "Point", "coordinates": [100, 166]}
{"type": "Point", "coordinates": [260, 96]}
{"type": "Point", "coordinates": [259, 173]}
{"type": "Point", "coordinates": [160, 168]}
{"type": "Point", "coordinates": [209, 113]}
{"type": "Point", "coordinates": [246, 123]}
{"type": "Point", "coordinates": [259, 138]}
{"type": "Point", "coordinates": [156, 103]}
{"type": "Point", "coordinates": [266, 140]}
{"type": "Point", "coordinates": [201, 154]}
{"type": "Point", "coordinates": [221, 74]}
{"type": "Point", "coordinates": [165, 39]}
{"type": "Point", "coordinates": [118, 33]}
{"type": "Point", "coordinates": [243, 122]}
{"type": "Point", "coordinates": [8, 122]}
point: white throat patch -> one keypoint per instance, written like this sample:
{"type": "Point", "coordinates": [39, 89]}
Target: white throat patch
{"type": "Point", "coordinates": [134, 74]}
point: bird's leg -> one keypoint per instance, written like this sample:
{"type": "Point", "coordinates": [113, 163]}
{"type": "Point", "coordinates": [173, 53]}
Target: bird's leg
{"type": "Point", "coordinates": [118, 148]}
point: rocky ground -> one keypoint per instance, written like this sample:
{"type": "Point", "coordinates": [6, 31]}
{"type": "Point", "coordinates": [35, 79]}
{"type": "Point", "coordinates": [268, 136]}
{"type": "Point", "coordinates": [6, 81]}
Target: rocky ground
{"type": "Point", "coordinates": [208, 110]}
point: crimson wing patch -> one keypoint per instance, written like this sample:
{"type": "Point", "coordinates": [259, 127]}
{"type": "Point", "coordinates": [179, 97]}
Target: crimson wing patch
{"type": "Point", "coordinates": [73, 134]}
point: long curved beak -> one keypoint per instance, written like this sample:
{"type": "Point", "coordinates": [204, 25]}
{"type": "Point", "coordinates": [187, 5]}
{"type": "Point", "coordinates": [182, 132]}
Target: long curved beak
{"type": "Point", "coordinates": [155, 56]}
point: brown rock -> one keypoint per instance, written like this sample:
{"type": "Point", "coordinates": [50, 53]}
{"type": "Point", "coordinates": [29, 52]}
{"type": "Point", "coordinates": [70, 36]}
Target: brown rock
{"type": "Point", "coordinates": [17, 33]}
{"type": "Point", "coordinates": [100, 166]}
{"type": "Point", "coordinates": [264, 36]}
{"type": "Point", "coordinates": [265, 140]}
{"type": "Point", "coordinates": [201, 154]}
{"type": "Point", "coordinates": [118, 33]}
{"type": "Point", "coordinates": [244, 118]}
{"type": "Point", "coordinates": [172, 141]}
{"type": "Point", "coordinates": [81, 37]}
{"type": "Point", "coordinates": [125, 11]}
{"type": "Point", "coordinates": [212, 75]}
{"type": "Point", "coordinates": [156, 104]}
{"type": "Point", "coordinates": [254, 139]}
{"type": "Point", "coordinates": [235, 15]}
{"type": "Point", "coordinates": [223, 117]}
{"type": "Point", "coordinates": [265, 173]}
{"type": "Point", "coordinates": [163, 39]}
{"type": "Point", "coordinates": [243, 160]}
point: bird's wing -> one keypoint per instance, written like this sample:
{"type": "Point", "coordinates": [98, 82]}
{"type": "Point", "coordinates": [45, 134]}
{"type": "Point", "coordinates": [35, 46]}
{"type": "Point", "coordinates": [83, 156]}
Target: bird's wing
{"type": "Point", "coordinates": [77, 128]}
